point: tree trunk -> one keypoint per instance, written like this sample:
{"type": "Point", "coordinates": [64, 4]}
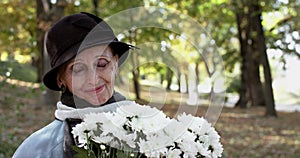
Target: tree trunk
{"type": "Point", "coordinates": [135, 62]}
{"type": "Point", "coordinates": [162, 78]}
{"type": "Point", "coordinates": [95, 4]}
{"type": "Point", "coordinates": [251, 90]}
{"type": "Point", "coordinates": [136, 84]}
{"type": "Point", "coordinates": [186, 77]}
{"type": "Point", "coordinates": [243, 89]}
{"type": "Point", "coordinates": [135, 73]}
{"type": "Point", "coordinates": [193, 95]}
{"type": "Point", "coordinates": [179, 79]}
{"type": "Point", "coordinates": [169, 76]}
{"type": "Point", "coordinates": [47, 15]}
{"type": "Point", "coordinates": [269, 97]}
{"type": "Point", "coordinates": [255, 85]}
{"type": "Point", "coordinates": [257, 94]}
{"type": "Point", "coordinates": [197, 71]}
{"type": "Point", "coordinates": [41, 30]}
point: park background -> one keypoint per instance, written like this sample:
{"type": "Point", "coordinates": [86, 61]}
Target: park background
{"type": "Point", "coordinates": [258, 42]}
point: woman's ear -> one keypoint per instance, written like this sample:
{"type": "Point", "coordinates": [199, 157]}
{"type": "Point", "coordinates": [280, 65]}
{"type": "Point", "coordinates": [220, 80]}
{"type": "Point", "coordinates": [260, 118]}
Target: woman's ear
{"type": "Point", "coordinates": [116, 64]}
{"type": "Point", "coordinates": [116, 58]}
{"type": "Point", "coordinates": [59, 80]}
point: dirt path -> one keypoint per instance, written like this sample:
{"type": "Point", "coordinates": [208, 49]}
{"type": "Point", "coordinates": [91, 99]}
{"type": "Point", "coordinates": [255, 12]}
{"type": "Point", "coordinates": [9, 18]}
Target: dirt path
{"type": "Point", "coordinates": [245, 132]}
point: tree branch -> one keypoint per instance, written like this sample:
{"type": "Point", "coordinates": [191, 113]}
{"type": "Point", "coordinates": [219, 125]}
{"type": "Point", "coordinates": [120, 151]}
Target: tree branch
{"type": "Point", "coordinates": [282, 21]}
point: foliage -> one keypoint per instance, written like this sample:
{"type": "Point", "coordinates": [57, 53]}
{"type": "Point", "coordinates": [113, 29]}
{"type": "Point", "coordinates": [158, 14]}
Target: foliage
{"type": "Point", "coordinates": [222, 30]}
{"type": "Point", "coordinates": [234, 85]}
{"type": "Point", "coordinates": [19, 31]}
{"type": "Point", "coordinates": [283, 30]}
{"type": "Point", "coordinates": [281, 35]}
{"type": "Point", "coordinates": [105, 152]}
{"type": "Point", "coordinates": [18, 27]}
{"type": "Point", "coordinates": [105, 7]}
{"type": "Point", "coordinates": [13, 69]}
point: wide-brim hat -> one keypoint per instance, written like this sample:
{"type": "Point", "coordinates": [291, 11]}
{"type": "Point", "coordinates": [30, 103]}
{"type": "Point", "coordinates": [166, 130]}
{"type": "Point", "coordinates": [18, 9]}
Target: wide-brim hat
{"type": "Point", "coordinates": [73, 34]}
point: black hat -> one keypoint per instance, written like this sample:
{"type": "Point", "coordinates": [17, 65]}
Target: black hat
{"type": "Point", "coordinates": [74, 33]}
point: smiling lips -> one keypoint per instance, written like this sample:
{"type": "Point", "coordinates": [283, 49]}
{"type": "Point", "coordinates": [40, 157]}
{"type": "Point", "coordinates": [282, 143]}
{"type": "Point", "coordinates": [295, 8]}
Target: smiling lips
{"type": "Point", "coordinates": [96, 90]}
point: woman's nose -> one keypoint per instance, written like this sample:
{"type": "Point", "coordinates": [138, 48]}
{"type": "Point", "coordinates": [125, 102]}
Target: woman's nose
{"type": "Point", "coordinates": [92, 77]}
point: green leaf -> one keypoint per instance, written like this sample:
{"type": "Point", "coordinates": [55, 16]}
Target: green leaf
{"type": "Point", "coordinates": [82, 153]}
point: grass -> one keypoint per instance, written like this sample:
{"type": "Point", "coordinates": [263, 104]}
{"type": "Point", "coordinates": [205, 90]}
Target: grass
{"type": "Point", "coordinates": [245, 133]}
{"type": "Point", "coordinates": [15, 70]}
{"type": "Point", "coordinates": [20, 113]}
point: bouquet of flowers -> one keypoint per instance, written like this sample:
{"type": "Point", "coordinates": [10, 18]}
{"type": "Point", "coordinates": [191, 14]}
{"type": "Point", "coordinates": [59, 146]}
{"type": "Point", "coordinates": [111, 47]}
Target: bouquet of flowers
{"type": "Point", "coordinates": [135, 130]}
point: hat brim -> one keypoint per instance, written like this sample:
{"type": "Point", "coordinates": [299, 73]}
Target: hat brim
{"type": "Point", "coordinates": [50, 78]}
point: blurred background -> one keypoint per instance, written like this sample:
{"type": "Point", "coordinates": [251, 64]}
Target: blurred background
{"type": "Point", "coordinates": [246, 51]}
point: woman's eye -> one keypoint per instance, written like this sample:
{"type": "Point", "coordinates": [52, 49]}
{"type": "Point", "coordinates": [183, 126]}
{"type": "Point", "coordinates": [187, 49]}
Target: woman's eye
{"type": "Point", "coordinates": [102, 63]}
{"type": "Point", "coordinates": [78, 68]}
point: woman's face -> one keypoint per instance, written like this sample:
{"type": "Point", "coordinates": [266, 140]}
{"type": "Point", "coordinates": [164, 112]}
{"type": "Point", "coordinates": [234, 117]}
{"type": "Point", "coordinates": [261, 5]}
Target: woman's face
{"type": "Point", "coordinates": [91, 74]}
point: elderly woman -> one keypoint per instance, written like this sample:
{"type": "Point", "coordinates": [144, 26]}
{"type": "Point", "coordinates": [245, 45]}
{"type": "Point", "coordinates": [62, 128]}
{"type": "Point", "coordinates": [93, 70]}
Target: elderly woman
{"type": "Point", "coordinates": [84, 55]}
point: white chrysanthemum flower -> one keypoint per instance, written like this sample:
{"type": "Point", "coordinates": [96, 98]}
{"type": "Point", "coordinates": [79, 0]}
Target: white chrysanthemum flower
{"type": "Point", "coordinates": [116, 120]}
{"type": "Point", "coordinates": [172, 131]}
{"type": "Point", "coordinates": [202, 150]}
{"type": "Point", "coordinates": [93, 117]}
{"type": "Point", "coordinates": [217, 150]}
{"type": "Point", "coordinates": [133, 126]}
{"type": "Point", "coordinates": [81, 132]}
{"type": "Point", "coordinates": [143, 117]}
{"type": "Point", "coordinates": [107, 128]}
{"type": "Point", "coordinates": [114, 129]}
{"type": "Point", "coordinates": [213, 135]}
{"type": "Point", "coordinates": [155, 145]}
{"type": "Point", "coordinates": [208, 140]}
{"type": "Point", "coordinates": [133, 109]}
{"type": "Point", "coordinates": [187, 144]}
{"type": "Point", "coordinates": [188, 121]}
{"type": "Point", "coordinates": [174, 153]}
{"type": "Point", "coordinates": [103, 139]}
{"type": "Point", "coordinates": [78, 130]}
{"type": "Point", "coordinates": [102, 147]}
{"type": "Point", "coordinates": [150, 124]}
{"type": "Point", "coordinates": [198, 124]}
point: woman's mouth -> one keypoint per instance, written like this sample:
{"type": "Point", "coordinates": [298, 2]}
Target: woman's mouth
{"type": "Point", "coordinates": [95, 90]}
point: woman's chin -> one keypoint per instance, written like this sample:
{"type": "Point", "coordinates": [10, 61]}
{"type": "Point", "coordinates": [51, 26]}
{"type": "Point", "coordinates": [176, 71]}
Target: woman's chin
{"type": "Point", "coordinates": [98, 99]}
{"type": "Point", "coordinates": [96, 102]}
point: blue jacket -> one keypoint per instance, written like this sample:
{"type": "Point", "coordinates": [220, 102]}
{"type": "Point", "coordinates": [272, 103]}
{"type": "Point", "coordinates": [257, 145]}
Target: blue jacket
{"type": "Point", "coordinates": [48, 142]}
{"type": "Point", "coordinates": [44, 143]}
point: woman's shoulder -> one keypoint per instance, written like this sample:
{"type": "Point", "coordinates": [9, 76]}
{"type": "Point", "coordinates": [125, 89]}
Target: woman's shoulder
{"type": "Point", "coordinates": [46, 141]}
